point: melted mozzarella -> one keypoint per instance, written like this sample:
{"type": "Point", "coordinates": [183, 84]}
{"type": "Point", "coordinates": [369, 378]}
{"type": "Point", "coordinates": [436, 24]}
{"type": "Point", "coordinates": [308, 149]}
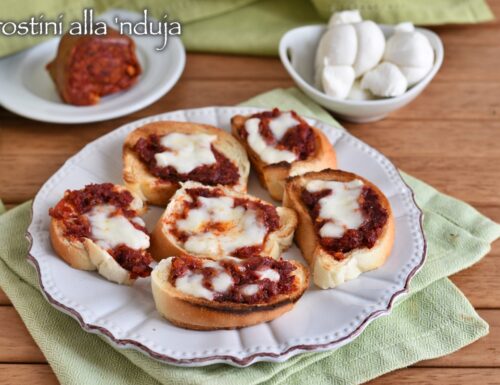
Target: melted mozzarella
{"type": "Point", "coordinates": [192, 284]}
{"type": "Point", "coordinates": [222, 282]}
{"type": "Point", "coordinates": [268, 154]}
{"type": "Point", "coordinates": [109, 231]}
{"type": "Point", "coordinates": [250, 289]}
{"type": "Point", "coordinates": [186, 151]}
{"type": "Point", "coordinates": [139, 221]}
{"type": "Point", "coordinates": [211, 210]}
{"type": "Point", "coordinates": [269, 274]}
{"type": "Point", "coordinates": [340, 208]}
{"type": "Point", "coordinates": [212, 264]}
{"type": "Point", "coordinates": [280, 125]}
{"type": "Point", "coordinates": [218, 228]}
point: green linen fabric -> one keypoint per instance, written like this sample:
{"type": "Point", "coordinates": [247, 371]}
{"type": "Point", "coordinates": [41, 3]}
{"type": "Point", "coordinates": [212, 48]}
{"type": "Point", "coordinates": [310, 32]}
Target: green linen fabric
{"type": "Point", "coordinates": [257, 28]}
{"type": "Point", "coordinates": [428, 12]}
{"type": "Point", "coordinates": [243, 26]}
{"type": "Point", "coordinates": [433, 320]}
{"type": "Point", "coordinates": [185, 10]}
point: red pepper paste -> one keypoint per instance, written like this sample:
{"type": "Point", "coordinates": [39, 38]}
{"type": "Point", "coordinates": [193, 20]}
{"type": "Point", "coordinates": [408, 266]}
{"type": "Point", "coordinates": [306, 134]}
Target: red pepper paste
{"type": "Point", "coordinates": [71, 210]}
{"type": "Point", "coordinates": [299, 139]}
{"type": "Point", "coordinates": [223, 171]}
{"type": "Point", "coordinates": [243, 273]}
{"type": "Point", "coordinates": [266, 213]}
{"type": "Point", "coordinates": [374, 214]}
{"type": "Point", "coordinates": [88, 67]}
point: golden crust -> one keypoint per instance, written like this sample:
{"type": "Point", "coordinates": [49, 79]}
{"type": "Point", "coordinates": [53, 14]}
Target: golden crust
{"type": "Point", "coordinates": [73, 253]}
{"type": "Point", "coordinates": [164, 244]}
{"type": "Point", "coordinates": [328, 272]}
{"type": "Point", "coordinates": [273, 176]}
{"type": "Point", "coordinates": [158, 192]}
{"type": "Point", "coordinates": [196, 313]}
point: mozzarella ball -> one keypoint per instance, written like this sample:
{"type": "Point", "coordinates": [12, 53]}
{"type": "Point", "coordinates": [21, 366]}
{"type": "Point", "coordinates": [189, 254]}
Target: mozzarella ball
{"type": "Point", "coordinates": [385, 80]}
{"type": "Point", "coordinates": [337, 80]}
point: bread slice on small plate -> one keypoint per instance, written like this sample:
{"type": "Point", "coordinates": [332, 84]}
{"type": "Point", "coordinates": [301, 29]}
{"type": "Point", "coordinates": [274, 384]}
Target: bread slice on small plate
{"type": "Point", "coordinates": [346, 225]}
{"type": "Point", "coordinates": [290, 147]}
{"type": "Point", "coordinates": [186, 151]}
{"type": "Point", "coordinates": [98, 228]}
{"type": "Point", "coordinates": [203, 294]}
{"type": "Point", "coordinates": [217, 221]}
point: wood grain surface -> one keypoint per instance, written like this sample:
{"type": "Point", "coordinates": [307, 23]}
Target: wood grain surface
{"type": "Point", "coordinates": [449, 137]}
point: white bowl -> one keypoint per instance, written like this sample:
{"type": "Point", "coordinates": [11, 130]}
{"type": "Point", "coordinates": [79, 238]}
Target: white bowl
{"type": "Point", "coordinates": [298, 51]}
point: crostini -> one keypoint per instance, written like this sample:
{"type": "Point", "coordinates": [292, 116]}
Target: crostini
{"type": "Point", "coordinates": [346, 225]}
{"type": "Point", "coordinates": [203, 294]}
{"type": "Point", "coordinates": [98, 228]}
{"type": "Point", "coordinates": [216, 221]}
{"type": "Point", "coordinates": [158, 156]}
{"type": "Point", "coordinates": [282, 144]}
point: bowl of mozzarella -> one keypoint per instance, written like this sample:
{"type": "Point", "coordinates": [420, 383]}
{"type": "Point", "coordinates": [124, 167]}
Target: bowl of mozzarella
{"type": "Point", "coordinates": [360, 70]}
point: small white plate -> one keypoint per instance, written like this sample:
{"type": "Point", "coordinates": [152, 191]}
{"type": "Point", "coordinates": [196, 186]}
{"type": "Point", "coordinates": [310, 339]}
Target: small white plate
{"type": "Point", "coordinates": [27, 89]}
{"type": "Point", "coordinates": [321, 320]}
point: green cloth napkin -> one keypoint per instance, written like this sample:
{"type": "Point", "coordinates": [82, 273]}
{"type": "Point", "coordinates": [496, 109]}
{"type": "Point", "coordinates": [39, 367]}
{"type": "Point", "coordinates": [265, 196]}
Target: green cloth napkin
{"type": "Point", "coordinates": [434, 320]}
{"type": "Point", "coordinates": [428, 12]}
{"type": "Point", "coordinates": [243, 26]}
{"type": "Point", "coordinates": [257, 28]}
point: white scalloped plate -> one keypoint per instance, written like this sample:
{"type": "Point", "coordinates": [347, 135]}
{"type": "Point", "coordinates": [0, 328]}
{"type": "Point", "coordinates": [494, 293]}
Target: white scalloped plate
{"type": "Point", "coordinates": [321, 320]}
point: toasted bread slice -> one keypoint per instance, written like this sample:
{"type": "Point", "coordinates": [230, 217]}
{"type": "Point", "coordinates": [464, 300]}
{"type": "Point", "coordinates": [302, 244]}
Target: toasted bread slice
{"type": "Point", "coordinates": [164, 242]}
{"type": "Point", "coordinates": [273, 176]}
{"type": "Point", "coordinates": [85, 254]}
{"type": "Point", "coordinates": [201, 313]}
{"type": "Point", "coordinates": [328, 271]}
{"type": "Point", "coordinates": [157, 191]}
{"type": "Point", "coordinates": [74, 76]}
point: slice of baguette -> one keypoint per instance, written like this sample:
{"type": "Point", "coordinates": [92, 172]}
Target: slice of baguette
{"type": "Point", "coordinates": [327, 271]}
{"type": "Point", "coordinates": [197, 313]}
{"type": "Point", "coordinates": [273, 176]}
{"type": "Point", "coordinates": [165, 244]}
{"type": "Point", "coordinates": [86, 254]}
{"type": "Point", "coordinates": [157, 191]}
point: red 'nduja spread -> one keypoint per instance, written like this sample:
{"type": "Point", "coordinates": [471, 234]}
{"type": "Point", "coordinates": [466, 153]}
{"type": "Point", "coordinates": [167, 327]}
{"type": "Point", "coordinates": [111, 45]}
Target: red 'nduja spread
{"type": "Point", "coordinates": [90, 66]}
{"type": "Point", "coordinates": [374, 214]}
{"type": "Point", "coordinates": [266, 214]}
{"type": "Point", "coordinates": [243, 273]}
{"type": "Point", "coordinates": [223, 171]}
{"type": "Point", "coordinates": [75, 203]}
{"type": "Point", "coordinates": [299, 139]}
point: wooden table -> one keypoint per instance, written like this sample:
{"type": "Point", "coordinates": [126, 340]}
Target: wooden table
{"type": "Point", "coordinates": [449, 137]}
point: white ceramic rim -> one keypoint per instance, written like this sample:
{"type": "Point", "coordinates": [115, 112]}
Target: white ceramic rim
{"type": "Point", "coordinates": [249, 358]}
{"type": "Point", "coordinates": [413, 91]}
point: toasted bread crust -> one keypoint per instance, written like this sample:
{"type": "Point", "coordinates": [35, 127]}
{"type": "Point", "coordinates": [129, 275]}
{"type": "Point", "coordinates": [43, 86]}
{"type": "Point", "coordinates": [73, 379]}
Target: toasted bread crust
{"type": "Point", "coordinates": [73, 253]}
{"type": "Point", "coordinates": [273, 176]}
{"type": "Point", "coordinates": [158, 192]}
{"type": "Point", "coordinates": [196, 313]}
{"type": "Point", "coordinates": [328, 272]}
{"type": "Point", "coordinates": [87, 255]}
{"type": "Point", "coordinates": [164, 244]}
